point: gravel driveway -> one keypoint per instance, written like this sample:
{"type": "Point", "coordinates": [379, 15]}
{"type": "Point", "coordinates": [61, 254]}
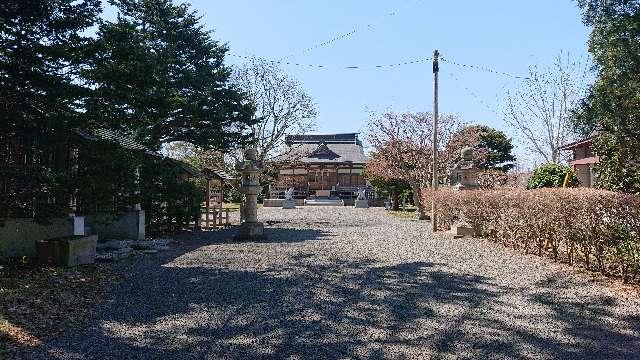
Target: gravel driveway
{"type": "Point", "coordinates": [352, 283]}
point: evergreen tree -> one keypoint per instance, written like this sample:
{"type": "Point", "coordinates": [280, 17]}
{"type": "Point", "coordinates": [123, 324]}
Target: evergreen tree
{"type": "Point", "coordinates": [160, 76]}
{"type": "Point", "coordinates": [492, 148]}
{"type": "Point", "coordinates": [41, 53]}
{"type": "Point", "coordinates": [612, 106]}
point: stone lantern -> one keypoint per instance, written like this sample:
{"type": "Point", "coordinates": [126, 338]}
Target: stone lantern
{"type": "Point", "coordinates": [250, 168]}
{"type": "Point", "coordinates": [464, 175]}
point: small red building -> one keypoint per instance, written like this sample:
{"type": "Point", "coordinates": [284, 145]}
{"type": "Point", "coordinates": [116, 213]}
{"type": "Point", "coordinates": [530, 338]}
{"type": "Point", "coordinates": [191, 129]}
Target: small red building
{"type": "Point", "coordinates": [583, 160]}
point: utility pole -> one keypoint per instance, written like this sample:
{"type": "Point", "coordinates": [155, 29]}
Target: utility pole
{"type": "Point", "coordinates": [434, 174]}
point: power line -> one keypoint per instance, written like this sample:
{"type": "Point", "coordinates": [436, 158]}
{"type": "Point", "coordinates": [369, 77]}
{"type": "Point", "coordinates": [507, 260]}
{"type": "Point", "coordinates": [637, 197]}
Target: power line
{"type": "Point", "coordinates": [473, 94]}
{"type": "Point", "coordinates": [353, 31]}
{"type": "Point", "coordinates": [353, 67]}
{"type": "Point", "coordinates": [485, 69]}
{"type": "Point", "coordinates": [333, 67]}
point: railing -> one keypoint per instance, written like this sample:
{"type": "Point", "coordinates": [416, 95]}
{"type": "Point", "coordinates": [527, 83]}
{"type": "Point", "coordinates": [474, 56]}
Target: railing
{"type": "Point", "coordinates": [214, 218]}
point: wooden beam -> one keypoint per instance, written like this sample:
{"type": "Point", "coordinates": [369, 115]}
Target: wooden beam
{"type": "Point", "coordinates": [206, 205]}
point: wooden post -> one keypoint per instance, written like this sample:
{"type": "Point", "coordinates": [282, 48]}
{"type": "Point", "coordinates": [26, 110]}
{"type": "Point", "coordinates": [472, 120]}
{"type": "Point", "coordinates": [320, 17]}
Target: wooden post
{"type": "Point", "coordinates": [73, 196]}
{"type": "Point", "coordinates": [221, 198]}
{"type": "Point", "coordinates": [137, 206]}
{"type": "Point", "coordinates": [206, 204]}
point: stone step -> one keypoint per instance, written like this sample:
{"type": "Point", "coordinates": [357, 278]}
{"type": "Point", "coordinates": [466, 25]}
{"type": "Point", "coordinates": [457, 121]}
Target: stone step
{"type": "Point", "coordinates": [324, 202]}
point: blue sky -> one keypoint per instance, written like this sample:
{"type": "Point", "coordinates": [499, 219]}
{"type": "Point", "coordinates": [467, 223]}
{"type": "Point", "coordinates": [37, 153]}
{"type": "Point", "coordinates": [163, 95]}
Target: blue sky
{"type": "Point", "coordinates": [505, 35]}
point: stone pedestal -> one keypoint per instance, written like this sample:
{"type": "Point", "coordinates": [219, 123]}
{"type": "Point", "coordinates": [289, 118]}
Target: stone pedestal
{"type": "Point", "coordinates": [462, 230]}
{"type": "Point", "coordinates": [250, 231]}
{"type": "Point", "coordinates": [289, 204]}
{"type": "Point", "coordinates": [361, 204]}
{"type": "Point", "coordinates": [69, 251]}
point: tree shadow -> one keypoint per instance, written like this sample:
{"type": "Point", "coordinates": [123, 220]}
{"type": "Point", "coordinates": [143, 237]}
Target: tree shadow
{"type": "Point", "coordinates": [314, 306]}
{"type": "Point", "coordinates": [272, 235]}
{"type": "Point", "coordinates": [590, 318]}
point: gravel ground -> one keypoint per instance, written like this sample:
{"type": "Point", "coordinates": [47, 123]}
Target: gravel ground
{"type": "Point", "coordinates": [352, 283]}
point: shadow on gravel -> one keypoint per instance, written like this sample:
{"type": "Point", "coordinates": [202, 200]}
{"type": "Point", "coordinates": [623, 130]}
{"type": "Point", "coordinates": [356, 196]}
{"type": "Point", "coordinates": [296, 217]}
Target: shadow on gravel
{"type": "Point", "coordinates": [272, 235]}
{"type": "Point", "coordinates": [313, 307]}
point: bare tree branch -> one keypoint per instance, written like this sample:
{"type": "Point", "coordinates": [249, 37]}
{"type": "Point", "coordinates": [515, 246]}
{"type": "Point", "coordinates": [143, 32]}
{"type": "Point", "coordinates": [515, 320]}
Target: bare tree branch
{"type": "Point", "coordinates": [540, 109]}
{"type": "Point", "coordinates": [282, 105]}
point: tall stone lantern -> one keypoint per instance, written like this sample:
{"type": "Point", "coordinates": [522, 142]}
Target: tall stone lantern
{"type": "Point", "coordinates": [250, 168]}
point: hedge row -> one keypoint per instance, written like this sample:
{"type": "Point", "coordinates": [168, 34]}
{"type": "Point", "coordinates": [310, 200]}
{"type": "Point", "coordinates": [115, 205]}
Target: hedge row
{"type": "Point", "coordinates": [597, 228]}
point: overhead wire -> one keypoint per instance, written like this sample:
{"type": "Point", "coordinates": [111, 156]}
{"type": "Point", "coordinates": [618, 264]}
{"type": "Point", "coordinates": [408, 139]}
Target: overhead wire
{"type": "Point", "coordinates": [378, 66]}
{"type": "Point", "coordinates": [473, 94]}
{"type": "Point", "coordinates": [353, 31]}
{"type": "Point", "coordinates": [335, 67]}
{"type": "Point", "coordinates": [483, 68]}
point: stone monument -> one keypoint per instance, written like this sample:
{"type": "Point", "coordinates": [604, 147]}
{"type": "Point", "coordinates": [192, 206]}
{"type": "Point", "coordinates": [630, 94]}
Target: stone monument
{"type": "Point", "coordinates": [288, 202]}
{"type": "Point", "coordinates": [461, 227]}
{"type": "Point", "coordinates": [250, 168]}
{"type": "Point", "coordinates": [361, 201]}
{"type": "Point", "coordinates": [464, 174]}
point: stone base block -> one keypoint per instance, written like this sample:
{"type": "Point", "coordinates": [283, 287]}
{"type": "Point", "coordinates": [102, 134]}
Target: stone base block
{"type": "Point", "coordinates": [324, 202]}
{"type": "Point", "coordinates": [460, 231]}
{"type": "Point", "coordinates": [250, 232]}
{"type": "Point", "coordinates": [361, 204]}
{"type": "Point", "coordinates": [272, 202]}
{"type": "Point", "coordinates": [288, 204]}
{"type": "Point", "coordinates": [72, 251]}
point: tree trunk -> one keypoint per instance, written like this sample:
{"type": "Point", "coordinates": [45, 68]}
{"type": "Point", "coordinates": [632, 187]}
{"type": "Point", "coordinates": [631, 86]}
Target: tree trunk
{"type": "Point", "coordinates": [417, 201]}
{"type": "Point", "coordinates": [395, 206]}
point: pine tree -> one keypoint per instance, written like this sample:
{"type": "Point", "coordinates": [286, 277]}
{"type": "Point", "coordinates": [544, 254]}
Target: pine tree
{"type": "Point", "coordinates": [160, 76]}
{"type": "Point", "coordinates": [492, 148]}
{"type": "Point", "coordinates": [41, 52]}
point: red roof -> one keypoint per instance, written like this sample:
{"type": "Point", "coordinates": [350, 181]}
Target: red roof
{"type": "Point", "coordinates": [585, 161]}
{"type": "Point", "coordinates": [577, 144]}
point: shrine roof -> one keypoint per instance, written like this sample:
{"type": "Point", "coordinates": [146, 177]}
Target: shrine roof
{"type": "Point", "coordinates": [331, 153]}
{"type": "Point", "coordinates": [344, 138]}
{"type": "Point", "coordinates": [116, 138]}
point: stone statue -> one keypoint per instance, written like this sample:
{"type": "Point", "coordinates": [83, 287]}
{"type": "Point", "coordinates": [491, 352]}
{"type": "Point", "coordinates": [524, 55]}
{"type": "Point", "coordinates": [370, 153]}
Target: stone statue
{"type": "Point", "coordinates": [288, 195]}
{"type": "Point", "coordinates": [362, 202]}
{"type": "Point", "coordinates": [288, 202]}
{"type": "Point", "coordinates": [362, 194]}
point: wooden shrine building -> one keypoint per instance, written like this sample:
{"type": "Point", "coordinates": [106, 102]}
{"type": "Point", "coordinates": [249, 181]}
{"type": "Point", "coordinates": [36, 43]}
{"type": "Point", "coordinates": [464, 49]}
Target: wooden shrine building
{"type": "Point", "coordinates": [320, 166]}
{"type": "Point", "coordinates": [583, 160]}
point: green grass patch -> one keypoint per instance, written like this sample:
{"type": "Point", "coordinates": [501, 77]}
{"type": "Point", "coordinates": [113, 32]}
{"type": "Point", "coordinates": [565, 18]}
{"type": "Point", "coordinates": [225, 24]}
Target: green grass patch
{"type": "Point", "coordinates": [231, 206]}
{"type": "Point", "coordinates": [404, 215]}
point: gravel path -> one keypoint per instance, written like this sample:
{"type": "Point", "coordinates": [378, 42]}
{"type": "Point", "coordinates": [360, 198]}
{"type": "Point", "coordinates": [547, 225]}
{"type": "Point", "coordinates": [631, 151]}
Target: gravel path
{"type": "Point", "coordinates": [352, 283]}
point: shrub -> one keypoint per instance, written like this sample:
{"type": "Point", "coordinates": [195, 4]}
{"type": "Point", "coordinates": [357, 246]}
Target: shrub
{"type": "Point", "coordinates": [597, 228]}
{"type": "Point", "coordinates": [550, 175]}
{"type": "Point", "coordinates": [170, 201]}
{"type": "Point", "coordinates": [494, 179]}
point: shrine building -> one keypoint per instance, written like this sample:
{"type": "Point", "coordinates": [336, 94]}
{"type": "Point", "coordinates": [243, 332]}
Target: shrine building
{"type": "Point", "coordinates": [321, 166]}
